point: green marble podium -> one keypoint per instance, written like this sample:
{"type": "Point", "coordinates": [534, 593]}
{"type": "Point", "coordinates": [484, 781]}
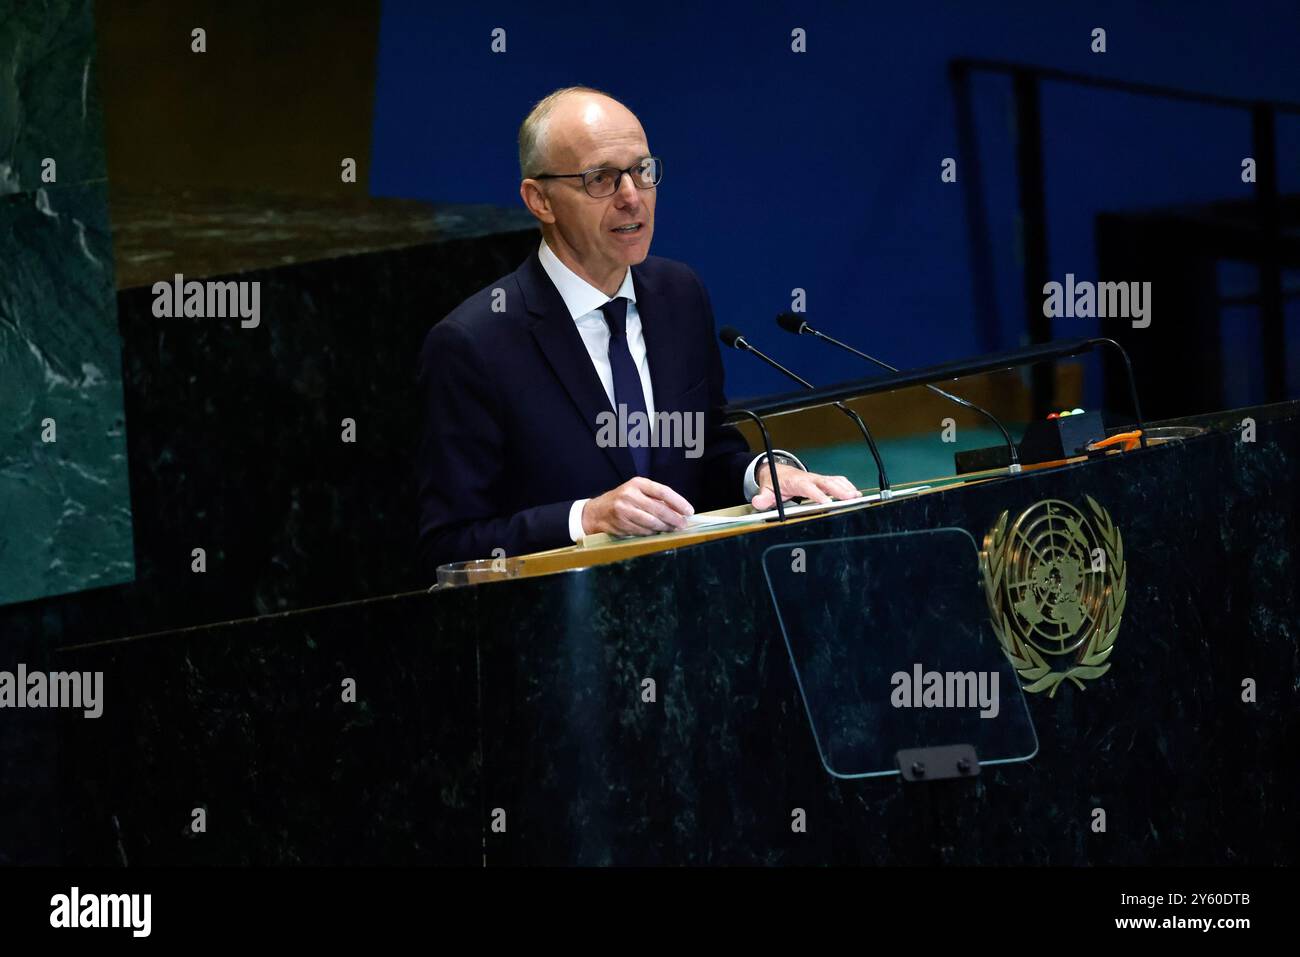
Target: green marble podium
{"type": "Point", "coordinates": [507, 722]}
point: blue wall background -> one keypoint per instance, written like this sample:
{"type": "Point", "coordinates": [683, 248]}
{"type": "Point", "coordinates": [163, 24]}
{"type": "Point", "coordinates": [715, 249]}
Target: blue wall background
{"type": "Point", "coordinates": [821, 170]}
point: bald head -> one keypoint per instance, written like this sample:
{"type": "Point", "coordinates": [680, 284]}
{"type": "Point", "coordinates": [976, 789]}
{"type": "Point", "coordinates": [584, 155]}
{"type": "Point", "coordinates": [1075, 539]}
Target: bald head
{"type": "Point", "coordinates": [570, 122]}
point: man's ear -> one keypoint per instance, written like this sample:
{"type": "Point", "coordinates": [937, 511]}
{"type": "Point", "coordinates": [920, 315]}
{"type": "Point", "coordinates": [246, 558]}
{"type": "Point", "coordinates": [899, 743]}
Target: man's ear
{"type": "Point", "coordinates": [531, 192]}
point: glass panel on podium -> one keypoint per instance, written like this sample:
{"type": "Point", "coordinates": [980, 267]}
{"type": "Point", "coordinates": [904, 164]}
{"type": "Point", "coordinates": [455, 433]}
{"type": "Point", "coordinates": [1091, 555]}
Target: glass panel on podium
{"type": "Point", "coordinates": [892, 650]}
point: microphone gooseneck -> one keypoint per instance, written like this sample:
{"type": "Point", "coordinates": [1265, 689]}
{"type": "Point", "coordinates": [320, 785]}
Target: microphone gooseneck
{"type": "Point", "coordinates": [793, 323]}
{"type": "Point", "coordinates": [732, 337]}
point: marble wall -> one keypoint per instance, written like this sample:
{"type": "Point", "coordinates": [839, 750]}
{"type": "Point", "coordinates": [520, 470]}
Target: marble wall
{"type": "Point", "coordinates": [234, 446]}
{"type": "Point", "coordinates": [65, 509]}
{"type": "Point", "coordinates": [174, 434]}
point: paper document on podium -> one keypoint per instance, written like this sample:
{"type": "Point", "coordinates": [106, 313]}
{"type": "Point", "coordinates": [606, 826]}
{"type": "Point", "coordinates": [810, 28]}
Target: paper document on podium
{"type": "Point", "coordinates": [791, 511]}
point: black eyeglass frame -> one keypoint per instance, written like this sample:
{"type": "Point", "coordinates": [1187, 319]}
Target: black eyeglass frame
{"type": "Point", "coordinates": [618, 180]}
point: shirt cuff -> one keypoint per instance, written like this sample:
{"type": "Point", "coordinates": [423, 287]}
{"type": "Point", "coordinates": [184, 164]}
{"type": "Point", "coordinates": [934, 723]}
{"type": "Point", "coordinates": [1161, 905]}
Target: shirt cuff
{"type": "Point", "coordinates": [575, 520]}
{"type": "Point", "coordinates": [751, 482]}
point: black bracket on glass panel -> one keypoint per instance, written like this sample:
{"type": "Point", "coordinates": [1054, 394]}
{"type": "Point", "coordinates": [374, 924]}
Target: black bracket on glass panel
{"type": "Point", "coordinates": [938, 763]}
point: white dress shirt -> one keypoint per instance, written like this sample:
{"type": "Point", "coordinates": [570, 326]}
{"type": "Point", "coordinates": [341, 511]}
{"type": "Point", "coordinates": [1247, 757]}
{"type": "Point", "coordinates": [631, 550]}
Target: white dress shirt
{"type": "Point", "coordinates": [583, 301]}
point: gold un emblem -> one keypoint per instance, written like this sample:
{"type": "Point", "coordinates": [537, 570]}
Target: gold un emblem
{"type": "Point", "coordinates": [1055, 583]}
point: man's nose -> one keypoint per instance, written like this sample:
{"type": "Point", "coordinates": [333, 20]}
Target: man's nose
{"type": "Point", "coordinates": [627, 192]}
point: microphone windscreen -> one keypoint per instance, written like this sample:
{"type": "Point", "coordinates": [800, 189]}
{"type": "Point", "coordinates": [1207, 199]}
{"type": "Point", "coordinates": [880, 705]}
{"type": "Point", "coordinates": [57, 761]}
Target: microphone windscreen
{"type": "Point", "coordinates": [729, 335]}
{"type": "Point", "coordinates": [790, 322]}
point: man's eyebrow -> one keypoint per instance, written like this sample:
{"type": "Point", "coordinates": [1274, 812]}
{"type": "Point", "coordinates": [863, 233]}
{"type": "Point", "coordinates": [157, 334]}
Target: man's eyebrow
{"type": "Point", "coordinates": [613, 164]}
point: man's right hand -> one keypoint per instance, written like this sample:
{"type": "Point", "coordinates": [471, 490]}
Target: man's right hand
{"type": "Point", "coordinates": [637, 507]}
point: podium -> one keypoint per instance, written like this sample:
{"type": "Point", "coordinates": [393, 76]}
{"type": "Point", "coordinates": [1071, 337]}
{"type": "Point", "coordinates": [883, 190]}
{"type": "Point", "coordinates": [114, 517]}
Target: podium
{"type": "Point", "coordinates": [733, 696]}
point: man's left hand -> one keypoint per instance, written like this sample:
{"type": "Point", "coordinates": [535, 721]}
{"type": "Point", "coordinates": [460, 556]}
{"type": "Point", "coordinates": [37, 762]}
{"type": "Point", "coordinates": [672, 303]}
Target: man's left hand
{"type": "Point", "coordinates": [798, 483]}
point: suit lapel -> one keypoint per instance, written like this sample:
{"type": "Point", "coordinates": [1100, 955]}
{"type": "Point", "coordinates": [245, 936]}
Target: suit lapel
{"type": "Point", "coordinates": [557, 336]}
{"type": "Point", "coordinates": [660, 339]}
{"type": "Point", "coordinates": [660, 336]}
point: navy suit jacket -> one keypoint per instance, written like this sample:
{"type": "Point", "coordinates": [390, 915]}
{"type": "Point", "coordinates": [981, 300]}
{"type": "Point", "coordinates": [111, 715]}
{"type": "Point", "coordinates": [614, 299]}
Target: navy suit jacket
{"type": "Point", "coordinates": [510, 406]}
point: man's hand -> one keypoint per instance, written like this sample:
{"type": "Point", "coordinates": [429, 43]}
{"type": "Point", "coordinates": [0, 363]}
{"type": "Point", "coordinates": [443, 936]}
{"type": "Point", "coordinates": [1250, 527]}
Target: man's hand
{"type": "Point", "coordinates": [797, 482]}
{"type": "Point", "coordinates": [637, 507]}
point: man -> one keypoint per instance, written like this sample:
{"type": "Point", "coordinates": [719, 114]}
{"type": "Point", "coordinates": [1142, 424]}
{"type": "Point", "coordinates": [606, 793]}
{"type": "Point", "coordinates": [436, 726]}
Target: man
{"type": "Point", "coordinates": [521, 380]}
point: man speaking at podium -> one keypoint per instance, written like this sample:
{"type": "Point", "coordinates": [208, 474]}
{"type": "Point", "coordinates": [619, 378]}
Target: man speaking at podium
{"type": "Point", "coordinates": [517, 381]}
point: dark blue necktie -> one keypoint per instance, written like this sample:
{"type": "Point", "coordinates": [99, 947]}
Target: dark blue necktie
{"type": "Point", "coordinates": [627, 383]}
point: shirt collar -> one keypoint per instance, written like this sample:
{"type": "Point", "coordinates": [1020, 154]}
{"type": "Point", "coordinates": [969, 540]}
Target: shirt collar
{"type": "Point", "coordinates": [580, 296]}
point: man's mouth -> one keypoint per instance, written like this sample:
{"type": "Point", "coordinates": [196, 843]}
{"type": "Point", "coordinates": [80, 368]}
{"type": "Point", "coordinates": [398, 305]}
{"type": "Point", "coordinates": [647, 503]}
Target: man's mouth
{"type": "Point", "coordinates": [629, 228]}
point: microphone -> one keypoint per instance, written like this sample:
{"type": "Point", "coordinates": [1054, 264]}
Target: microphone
{"type": "Point", "coordinates": [731, 336]}
{"type": "Point", "coordinates": [790, 322]}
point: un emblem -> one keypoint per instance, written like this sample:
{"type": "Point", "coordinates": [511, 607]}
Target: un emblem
{"type": "Point", "coordinates": [1055, 582]}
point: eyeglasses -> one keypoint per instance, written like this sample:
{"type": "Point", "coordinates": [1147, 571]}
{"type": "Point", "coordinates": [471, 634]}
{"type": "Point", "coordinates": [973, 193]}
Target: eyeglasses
{"type": "Point", "coordinates": [605, 180]}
